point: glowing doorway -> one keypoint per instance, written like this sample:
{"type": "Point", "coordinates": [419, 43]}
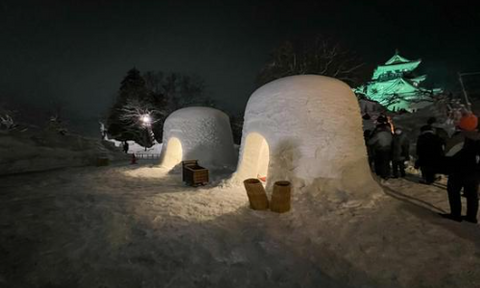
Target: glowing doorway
{"type": "Point", "coordinates": [255, 158]}
{"type": "Point", "coordinates": [173, 154]}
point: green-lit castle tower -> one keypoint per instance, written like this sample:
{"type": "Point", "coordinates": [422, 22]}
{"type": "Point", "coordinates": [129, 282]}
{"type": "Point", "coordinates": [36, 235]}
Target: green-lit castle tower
{"type": "Point", "coordinates": [395, 86]}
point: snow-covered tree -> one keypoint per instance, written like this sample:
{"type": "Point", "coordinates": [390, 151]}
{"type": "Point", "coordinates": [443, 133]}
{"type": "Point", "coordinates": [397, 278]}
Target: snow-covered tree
{"type": "Point", "coordinates": [132, 88]}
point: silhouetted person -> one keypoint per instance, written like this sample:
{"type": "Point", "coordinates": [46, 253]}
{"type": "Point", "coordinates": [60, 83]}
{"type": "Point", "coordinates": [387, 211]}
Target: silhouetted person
{"type": "Point", "coordinates": [381, 144]}
{"type": "Point", "coordinates": [125, 147]}
{"type": "Point", "coordinates": [367, 134]}
{"type": "Point", "coordinates": [367, 122]}
{"type": "Point", "coordinates": [429, 153]}
{"type": "Point", "coordinates": [400, 152]}
{"type": "Point", "coordinates": [432, 122]}
{"type": "Point", "coordinates": [463, 155]}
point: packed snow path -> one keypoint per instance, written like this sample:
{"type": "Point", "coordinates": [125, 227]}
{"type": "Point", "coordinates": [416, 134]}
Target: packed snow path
{"type": "Point", "coordinates": [138, 226]}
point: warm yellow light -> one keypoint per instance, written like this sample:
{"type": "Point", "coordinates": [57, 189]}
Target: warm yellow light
{"type": "Point", "coordinates": [255, 157]}
{"type": "Point", "coordinates": [173, 153]}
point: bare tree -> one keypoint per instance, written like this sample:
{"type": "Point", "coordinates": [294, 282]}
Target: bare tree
{"type": "Point", "coordinates": [138, 118]}
{"type": "Point", "coordinates": [396, 99]}
{"type": "Point", "coordinates": [133, 111]}
{"type": "Point", "coordinates": [320, 56]}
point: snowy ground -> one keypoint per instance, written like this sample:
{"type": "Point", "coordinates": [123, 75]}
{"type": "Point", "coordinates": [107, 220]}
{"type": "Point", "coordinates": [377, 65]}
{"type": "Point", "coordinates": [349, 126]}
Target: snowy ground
{"type": "Point", "coordinates": [138, 226]}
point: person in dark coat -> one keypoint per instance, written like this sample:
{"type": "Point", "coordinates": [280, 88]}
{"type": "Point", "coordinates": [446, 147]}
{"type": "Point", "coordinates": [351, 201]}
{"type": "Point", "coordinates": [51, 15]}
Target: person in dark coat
{"type": "Point", "coordinates": [429, 153]}
{"type": "Point", "coordinates": [463, 157]}
{"type": "Point", "coordinates": [381, 145]}
{"type": "Point", "coordinates": [400, 152]}
{"type": "Point", "coordinates": [367, 134]}
{"type": "Point", "coordinates": [367, 122]}
{"type": "Point", "coordinates": [125, 147]}
{"type": "Point", "coordinates": [432, 122]}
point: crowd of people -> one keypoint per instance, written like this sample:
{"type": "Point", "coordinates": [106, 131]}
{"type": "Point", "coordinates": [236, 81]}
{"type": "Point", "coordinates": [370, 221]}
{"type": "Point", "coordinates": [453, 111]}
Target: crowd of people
{"type": "Point", "coordinates": [437, 152]}
{"type": "Point", "coordinates": [388, 148]}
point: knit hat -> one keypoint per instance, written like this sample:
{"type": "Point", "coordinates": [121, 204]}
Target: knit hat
{"type": "Point", "coordinates": [468, 122]}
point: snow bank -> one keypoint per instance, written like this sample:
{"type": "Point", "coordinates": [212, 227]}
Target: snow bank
{"type": "Point", "coordinates": [39, 150]}
{"type": "Point", "coordinates": [198, 133]}
{"type": "Point", "coordinates": [134, 147]}
{"type": "Point", "coordinates": [308, 130]}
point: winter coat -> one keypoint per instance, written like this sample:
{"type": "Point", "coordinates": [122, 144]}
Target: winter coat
{"type": "Point", "coordinates": [381, 139]}
{"type": "Point", "coordinates": [462, 154]}
{"type": "Point", "coordinates": [400, 147]}
{"type": "Point", "coordinates": [429, 149]}
{"type": "Point", "coordinates": [368, 124]}
{"type": "Point", "coordinates": [441, 133]}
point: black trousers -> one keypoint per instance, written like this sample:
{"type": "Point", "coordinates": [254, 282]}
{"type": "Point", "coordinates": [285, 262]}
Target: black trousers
{"type": "Point", "coordinates": [398, 168]}
{"type": "Point", "coordinates": [428, 174]}
{"type": "Point", "coordinates": [469, 182]}
{"type": "Point", "coordinates": [382, 163]}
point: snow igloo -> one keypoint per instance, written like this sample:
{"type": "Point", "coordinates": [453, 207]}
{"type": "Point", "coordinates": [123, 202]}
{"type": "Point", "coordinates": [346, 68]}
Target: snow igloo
{"type": "Point", "coordinates": [308, 130]}
{"type": "Point", "coordinates": [198, 133]}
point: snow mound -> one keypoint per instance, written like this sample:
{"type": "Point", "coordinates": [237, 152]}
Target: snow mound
{"type": "Point", "coordinates": [40, 150]}
{"type": "Point", "coordinates": [199, 133]}
{"type": "Point", "coordinates": [308, 130]}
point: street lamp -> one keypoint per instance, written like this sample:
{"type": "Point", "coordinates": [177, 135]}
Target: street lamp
{"type": "Point", "coordinates": [146, 120]}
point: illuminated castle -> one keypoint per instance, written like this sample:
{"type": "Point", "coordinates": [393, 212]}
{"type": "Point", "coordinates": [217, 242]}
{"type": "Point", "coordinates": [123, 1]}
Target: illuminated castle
{"type": "Point", "coordinates": [395, 86]}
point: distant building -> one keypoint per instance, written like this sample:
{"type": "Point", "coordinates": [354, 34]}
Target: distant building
{"type": "Point", "coordinates": [395, 86]}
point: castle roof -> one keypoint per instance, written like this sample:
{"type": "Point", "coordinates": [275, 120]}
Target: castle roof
{"type": "Point", "coordinates": [397, 59]}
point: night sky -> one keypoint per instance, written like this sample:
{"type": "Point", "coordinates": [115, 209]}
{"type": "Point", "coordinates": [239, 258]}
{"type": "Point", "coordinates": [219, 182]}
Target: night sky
{"type": "Point", "coordinates": [80, 50]}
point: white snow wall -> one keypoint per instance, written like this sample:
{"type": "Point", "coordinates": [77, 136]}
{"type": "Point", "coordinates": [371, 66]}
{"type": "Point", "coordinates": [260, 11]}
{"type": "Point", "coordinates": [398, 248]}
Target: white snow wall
{"type": "Point", "coordinates": [313, 128]}
{"type": "Point", "coordinates": [199, 133]}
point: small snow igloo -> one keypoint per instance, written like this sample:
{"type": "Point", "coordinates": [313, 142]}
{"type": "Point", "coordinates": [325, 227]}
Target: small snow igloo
{"type": "Point", "coordinates": [308, 130]}
{"type": "Point", "coordinates": [198, 133]}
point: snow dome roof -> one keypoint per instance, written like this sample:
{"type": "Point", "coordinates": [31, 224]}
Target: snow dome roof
{"type": "Point", "coordinates": [311, 128]}
{"type": "Point", "coordinates": [198, 133]}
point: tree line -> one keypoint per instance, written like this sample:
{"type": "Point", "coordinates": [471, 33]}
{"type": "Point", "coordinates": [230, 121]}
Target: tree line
{"type": "Point", "coordinates": [158, 94]}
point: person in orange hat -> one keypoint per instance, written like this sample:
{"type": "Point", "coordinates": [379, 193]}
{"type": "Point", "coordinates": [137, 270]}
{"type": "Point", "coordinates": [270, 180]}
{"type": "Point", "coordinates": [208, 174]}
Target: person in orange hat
{"type": "Point", "coordinates": [463, 159]}
{"type": "Point", "coordinates": [468, 122]}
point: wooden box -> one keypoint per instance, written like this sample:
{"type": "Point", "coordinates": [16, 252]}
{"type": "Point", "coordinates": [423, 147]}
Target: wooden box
{"type": "Point", "coordinates": [194, 174]}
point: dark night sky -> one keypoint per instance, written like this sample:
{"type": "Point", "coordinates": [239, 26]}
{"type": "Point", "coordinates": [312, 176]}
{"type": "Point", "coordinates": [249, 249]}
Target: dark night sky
{"type": "Point", "coordinates": [80, 50]}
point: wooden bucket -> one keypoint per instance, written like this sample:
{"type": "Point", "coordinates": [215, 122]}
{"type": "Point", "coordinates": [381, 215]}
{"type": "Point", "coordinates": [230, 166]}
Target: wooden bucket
{"type": "Point", "coordinates": [256, 194]}
{"type": "Point", "coordinates": [281, 197]}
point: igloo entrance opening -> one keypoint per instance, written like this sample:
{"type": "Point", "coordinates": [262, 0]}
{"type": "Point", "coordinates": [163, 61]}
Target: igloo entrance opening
{"type": "Point", "coordinates": [256, 157]}
{"type": "Point", "coordinates": [173, 154]}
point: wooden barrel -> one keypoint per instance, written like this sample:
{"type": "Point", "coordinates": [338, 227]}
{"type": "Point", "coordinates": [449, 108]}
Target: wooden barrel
{"type": "Point", "coordinates": [281, 197]}
{"type": "Point", "coordinates": [256, 194]}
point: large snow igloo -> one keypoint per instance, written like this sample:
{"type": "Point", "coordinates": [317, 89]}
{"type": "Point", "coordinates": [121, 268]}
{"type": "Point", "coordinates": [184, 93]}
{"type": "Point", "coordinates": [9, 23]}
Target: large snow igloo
{"type": "Point", "coordinates": [198, 133]}
{"type": "Point", "coordinates": [308, 130]}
